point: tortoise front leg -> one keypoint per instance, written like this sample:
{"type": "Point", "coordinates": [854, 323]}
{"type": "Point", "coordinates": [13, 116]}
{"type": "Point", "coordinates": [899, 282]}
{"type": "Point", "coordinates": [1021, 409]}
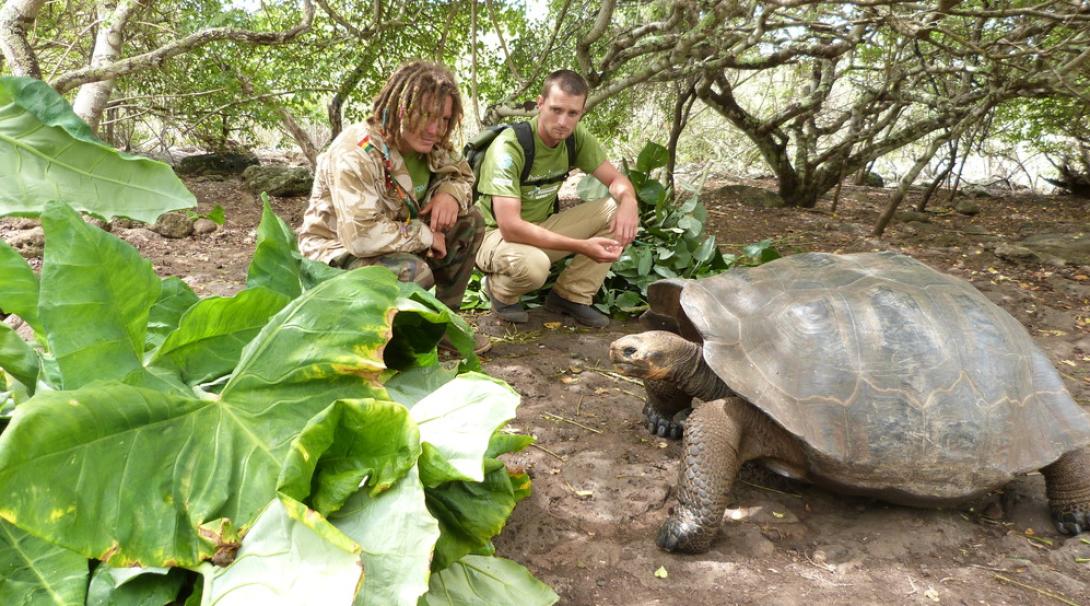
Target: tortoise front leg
{"type": "Point", "coordinates": [1067, 484]}
{"type": "Point", "coordinates": [664, 403]}
{"type": "Point", "coordinates": [710, 461]}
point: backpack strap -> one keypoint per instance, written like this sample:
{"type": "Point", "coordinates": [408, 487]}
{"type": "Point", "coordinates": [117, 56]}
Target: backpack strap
{"type": "Point", "coordinates": [525, 136]}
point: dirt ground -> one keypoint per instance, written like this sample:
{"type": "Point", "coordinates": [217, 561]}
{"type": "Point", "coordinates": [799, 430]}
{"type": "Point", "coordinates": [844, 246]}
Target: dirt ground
{"type": "Point", "coordinates": [603, 485]}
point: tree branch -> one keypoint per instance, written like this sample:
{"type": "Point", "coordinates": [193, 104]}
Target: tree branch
{"type": "Point", "coordinates": [156, 57]}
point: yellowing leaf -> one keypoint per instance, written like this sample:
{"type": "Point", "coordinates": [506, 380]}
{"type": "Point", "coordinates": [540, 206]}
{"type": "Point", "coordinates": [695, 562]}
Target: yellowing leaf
{"type": "Point", "coordinates": [553, 325]}
{"type": "Point", "coordinates": [661, 572]}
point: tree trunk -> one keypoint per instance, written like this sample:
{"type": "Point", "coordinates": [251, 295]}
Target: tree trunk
{"type": "Point", "coordinates": [682, 105]}
{"type": "Point", "coordinates": [939, 178]}
{"type": "Point", "coordinates": [16, 17]}
{"type": "Point", "coordinates": [334, 111]}
{"type": "Point", "coordinates": [898, 194]}
{"type": "Point", "coordinates": [113, 16]}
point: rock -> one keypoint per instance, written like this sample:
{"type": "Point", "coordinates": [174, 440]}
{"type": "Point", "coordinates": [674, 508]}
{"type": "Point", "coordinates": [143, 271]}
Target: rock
{"type": "Point", "coordinates": [226, 163]}
{"type": "Point", "coordinates": [1073, 248]}
{"type": "Point", "coordinates": [967, 207]}
{"type": "Point", "coordinates": [278, 180]}
{"type": "Point", "coordinates": [873, 179]}
{"type": "Point", "coordinates": [204, 226]}
{"type": "Point", "coordinates": [173, 225]}
{"type": "Point", "coordinates": [906, 216]}
{"type": "Point", "coordinates": [1014, 252]}
{"type": "Point", "coordinates": [976, 191]}
{"type": "Point", "coordinates": [33, 238]}
{"type": "Point", "coordinates": [753, 196]}
{"type": "Point", "coordinates": [125, 223]}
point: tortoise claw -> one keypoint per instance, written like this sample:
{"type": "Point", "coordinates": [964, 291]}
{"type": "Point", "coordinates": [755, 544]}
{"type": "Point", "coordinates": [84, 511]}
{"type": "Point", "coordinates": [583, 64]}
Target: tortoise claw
{"type": "Point", "coordinates": [663, 427]}
{"type": "Point", "coordinates": [1071, 522]}
{"type": "Point", "coordinates": [675, 534]}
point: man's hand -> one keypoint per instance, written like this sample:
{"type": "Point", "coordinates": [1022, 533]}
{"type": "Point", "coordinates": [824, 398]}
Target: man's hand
{"type": "Point", "coordinates": [625, 222]}
{"type": "Point", "coordinates": [443, 209]}
{"type": "Point", "coordinates": [438, 245]}
{"type": "Point", "coordinates": [602, 250]}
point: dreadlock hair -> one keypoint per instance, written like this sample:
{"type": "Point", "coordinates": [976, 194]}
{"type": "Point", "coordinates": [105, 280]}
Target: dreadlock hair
{"type": "Point", "coordinates": [412, 96]}
{"type": "Point", "coordinates": [566, 80]}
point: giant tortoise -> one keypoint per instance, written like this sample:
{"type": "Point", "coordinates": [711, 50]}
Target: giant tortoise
{"type": "Point", "coordinates": [870, 374]}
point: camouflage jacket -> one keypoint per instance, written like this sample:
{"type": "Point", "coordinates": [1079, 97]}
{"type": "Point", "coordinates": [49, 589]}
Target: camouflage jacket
{"type": "Point", "coordinates": [361, 203]}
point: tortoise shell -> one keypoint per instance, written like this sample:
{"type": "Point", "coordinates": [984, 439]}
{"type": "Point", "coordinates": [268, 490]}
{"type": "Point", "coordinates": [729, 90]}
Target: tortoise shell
{"type": "Point", "coordinates": [894, 376]}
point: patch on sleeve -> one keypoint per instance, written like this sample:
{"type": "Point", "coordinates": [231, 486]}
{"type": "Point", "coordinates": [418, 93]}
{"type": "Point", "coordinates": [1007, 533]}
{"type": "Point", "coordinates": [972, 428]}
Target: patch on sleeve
{"type": "Point", "coordinates": [505, 162]}
{"type": "Point", "coordinates": [502, 181]}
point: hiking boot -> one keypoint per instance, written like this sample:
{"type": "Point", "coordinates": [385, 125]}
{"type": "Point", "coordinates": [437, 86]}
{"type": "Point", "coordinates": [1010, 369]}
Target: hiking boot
{"type": "Point", "coordinates": [583, 314]}
{"type": "Point", "coordinates": [510, 312]}
{"type": "Point", "coordinates": [481, 344]}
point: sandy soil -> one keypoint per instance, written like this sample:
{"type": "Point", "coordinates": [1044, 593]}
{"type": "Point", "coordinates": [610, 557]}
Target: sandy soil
{"type": "Point", "coordinates": [602, 485]}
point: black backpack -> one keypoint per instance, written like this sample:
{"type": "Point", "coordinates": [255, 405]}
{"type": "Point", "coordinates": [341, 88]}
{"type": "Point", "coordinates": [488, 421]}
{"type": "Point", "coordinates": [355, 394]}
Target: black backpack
{"type": "Point", "coordinates": [475, 149]}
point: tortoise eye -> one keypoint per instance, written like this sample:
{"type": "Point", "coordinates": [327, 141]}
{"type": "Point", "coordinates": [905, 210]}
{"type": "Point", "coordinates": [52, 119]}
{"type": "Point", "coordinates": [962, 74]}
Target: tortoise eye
{"type": "Point", "coordinates": [629, 351]}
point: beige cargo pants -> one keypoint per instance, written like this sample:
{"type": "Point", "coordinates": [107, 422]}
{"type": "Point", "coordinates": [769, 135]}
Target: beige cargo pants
{"type": "Point", "coordinates": [516, 269]}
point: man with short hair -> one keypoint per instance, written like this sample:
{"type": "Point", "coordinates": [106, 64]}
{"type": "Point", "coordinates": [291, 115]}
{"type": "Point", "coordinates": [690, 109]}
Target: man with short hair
{"type": "Point", "coordinates": [391, 191]}
{"type": "Point", "coordinates": [525, 233]}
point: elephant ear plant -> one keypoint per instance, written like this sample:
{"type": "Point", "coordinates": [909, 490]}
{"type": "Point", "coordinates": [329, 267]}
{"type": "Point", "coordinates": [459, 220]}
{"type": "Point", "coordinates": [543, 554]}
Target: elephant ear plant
{"type": "Point", "coordinates": [297, 441]}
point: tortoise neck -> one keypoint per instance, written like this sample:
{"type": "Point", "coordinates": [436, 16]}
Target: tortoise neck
{"type": "Point", "coordinates": [695, 377]}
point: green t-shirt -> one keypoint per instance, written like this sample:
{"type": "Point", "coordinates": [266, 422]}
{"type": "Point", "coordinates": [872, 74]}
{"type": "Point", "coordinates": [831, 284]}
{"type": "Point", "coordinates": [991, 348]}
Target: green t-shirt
{"type": "Point", "coordinates": [502, 167]}
{"type": "Point", "coordinates": [417, 165]}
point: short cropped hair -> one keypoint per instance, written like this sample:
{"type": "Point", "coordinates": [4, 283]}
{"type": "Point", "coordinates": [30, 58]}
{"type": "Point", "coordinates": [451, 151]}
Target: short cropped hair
{"type": "Point", "coordinates": [568, 81]}
{"type": "Point", "coordinates": [414, 94]}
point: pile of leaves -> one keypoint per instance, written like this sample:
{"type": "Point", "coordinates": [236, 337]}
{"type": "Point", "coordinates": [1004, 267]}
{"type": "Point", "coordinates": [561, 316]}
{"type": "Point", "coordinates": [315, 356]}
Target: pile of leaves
{"type": "Point", "coordinates": [296, 443]}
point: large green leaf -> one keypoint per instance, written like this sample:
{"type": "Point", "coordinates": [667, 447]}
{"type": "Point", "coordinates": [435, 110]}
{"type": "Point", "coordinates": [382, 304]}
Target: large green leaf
{"type": "Point", "coordinates": [415, 384]}
{"type": "Point", "coordinates": [652, 156]}
{"type": "Point", "coordinates": [95, 295]}
{"type": "Point", "coordinates": [17, 357]}
{"type": "Point", "coordinates": [590, 189]}
{"type": "Point", "coordinates": [175, 297]}
{"type": "Point", "coordinates": [276, 263]}
{"type": "Point", "coordinates": [459, 418]}
{"type": "Point", "coordinates": [34, 572]}
{"type": "Point", "coordinates": [350, 441]}
{"type": "Point", "coordinates": [134, 586]}
{"type": "Point", "coordinates": [476, 580]}
{"type": "Point", "coordinates": [48, 153]}
{"type": "Point", "coordinates": [397, 535]}
{"type": "Point", "coordinates": [211, 334]}
{"type": "Point", "coordinates": [291, 556]}
{"type": "Point", "coordinates": [139, 477]}
{"type": "Point", "coordinates": [18, 286]}
{"type": "Point", "coordinates": [471, 513]}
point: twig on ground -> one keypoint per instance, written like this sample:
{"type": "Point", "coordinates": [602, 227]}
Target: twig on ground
{"type": "Point", "coordinates": [1044, 592]}
{"type": "Point", "coordinates": [615, 375]}
{"type": "Point", "coordinates": [549, 415]}
{"type": "Point", "coordinates": [548, 452]}
{"type": "Point", "coordinates": [758, 486]}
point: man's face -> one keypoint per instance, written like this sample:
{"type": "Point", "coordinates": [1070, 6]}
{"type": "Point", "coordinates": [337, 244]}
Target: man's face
{"type": "Point", "coordinates": [429, 132]}
{"type": "Point", "coordinates": [558, 113]}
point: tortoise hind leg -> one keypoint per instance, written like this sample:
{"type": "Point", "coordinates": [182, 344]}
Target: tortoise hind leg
{"type": "Point", "coordinates": [666, 408]}
{"type": "Point", "coordinates": [1067, 484]}
{"type": "Point", "coordinates": [709, 463]}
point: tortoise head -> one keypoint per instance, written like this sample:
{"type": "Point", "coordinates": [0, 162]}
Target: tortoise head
{"type": "Point", "coordinates": [654, 354]}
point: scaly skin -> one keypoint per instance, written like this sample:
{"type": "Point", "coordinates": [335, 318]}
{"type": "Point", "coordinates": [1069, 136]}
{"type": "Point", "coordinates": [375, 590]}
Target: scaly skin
{"type": "Point", "coordinates": [719, 437]}
{"type": "Point", "coordinates": [1067, 484]}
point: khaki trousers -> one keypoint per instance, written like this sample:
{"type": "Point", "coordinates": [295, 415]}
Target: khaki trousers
{"type": "Point", "coordinates": [516, 269]}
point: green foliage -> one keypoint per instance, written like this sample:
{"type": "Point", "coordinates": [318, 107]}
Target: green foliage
{"type": "Point", "coordinates": [156, 429]}
{"type": "Point", "coordinates": [671, 242]}
{"type": "Point", "coordinates": [48, 153]}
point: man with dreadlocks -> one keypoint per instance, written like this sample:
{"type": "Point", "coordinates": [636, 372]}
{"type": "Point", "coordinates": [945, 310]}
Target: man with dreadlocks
{"type": "Point", "coordinates": [390, 191]}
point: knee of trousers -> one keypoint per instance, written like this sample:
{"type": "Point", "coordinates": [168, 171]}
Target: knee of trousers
{"type": "Point", "coordinates": [528, 270]}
